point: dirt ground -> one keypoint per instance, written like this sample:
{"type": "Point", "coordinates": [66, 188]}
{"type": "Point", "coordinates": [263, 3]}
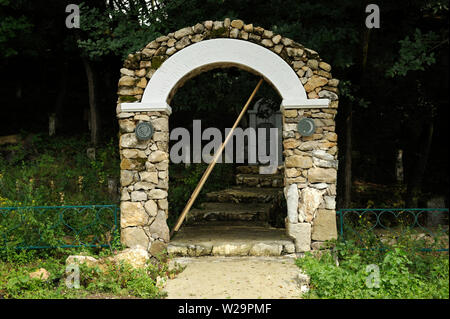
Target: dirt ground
{"type": "Point", "coordinates": [235, 277]}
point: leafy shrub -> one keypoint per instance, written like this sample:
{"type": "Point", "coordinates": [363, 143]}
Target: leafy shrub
{"type": "Point", "coordinates": [404, 272]}
{"type": "Point", "coordinates": [111, 280]}
{"type": "Point", "coordinates": [57, 171]}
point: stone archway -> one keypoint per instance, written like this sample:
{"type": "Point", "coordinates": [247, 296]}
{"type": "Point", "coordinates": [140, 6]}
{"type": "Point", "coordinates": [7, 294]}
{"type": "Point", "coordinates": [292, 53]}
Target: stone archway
{"type": "Point", "coordinates": [150, 78]}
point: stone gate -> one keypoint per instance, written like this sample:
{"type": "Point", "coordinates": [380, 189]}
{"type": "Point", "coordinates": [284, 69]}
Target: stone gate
{"type": "Point", "coordinates": [149, 80]}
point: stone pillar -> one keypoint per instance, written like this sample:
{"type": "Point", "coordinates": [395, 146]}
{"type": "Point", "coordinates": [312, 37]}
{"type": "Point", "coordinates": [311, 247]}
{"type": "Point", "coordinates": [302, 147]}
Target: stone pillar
{"type": "Point", "coordinates": [310, 176]}
{"type": "Point", "coordinates": [144, 180]}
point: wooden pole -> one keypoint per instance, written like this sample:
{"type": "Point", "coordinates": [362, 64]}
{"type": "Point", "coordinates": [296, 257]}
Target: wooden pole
{"type": "Point", "coordinates": [208, 170]}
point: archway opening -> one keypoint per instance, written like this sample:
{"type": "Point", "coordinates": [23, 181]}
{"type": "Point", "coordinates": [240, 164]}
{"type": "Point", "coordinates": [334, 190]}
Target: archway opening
{"type": "Point", "coordinates": [309, 105]}
{"type": "Point", "coordinates": [241, 209]}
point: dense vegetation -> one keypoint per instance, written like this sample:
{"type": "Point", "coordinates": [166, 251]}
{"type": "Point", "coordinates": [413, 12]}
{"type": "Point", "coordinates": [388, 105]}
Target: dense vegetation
{"type": "Point", "coordinates": [403, 270]}
{"type": "Point", "coordinates": [111, 281]}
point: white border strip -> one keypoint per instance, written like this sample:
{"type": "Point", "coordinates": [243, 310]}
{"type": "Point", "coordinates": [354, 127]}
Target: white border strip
{"type": "Point", "coordinates": [164, 107]}
{"type": "Point", "coordinates": [146, 107]}
{"type": "Point", "coordinates": [305, 104]}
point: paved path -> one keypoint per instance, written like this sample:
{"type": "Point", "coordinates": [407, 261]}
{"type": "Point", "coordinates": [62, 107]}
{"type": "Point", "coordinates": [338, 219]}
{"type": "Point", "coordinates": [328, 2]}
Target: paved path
{"type": "Point", "coordinates": [235, 277]}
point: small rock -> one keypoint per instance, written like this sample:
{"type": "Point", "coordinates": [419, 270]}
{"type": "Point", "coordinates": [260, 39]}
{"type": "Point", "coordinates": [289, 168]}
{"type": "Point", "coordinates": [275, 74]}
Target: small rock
{"type": "Point", "coordinates": [234, 33]}
{"type": "Point", "coordinates": [267, 43]}
{"type": "Point", "coordinates": [248, 28]}
{"type": "Point", "coordinates": [159, 227]}
{"type": "Point", "coordinates": [322, 175]}
{"type": "Point", "coordinates": [183, 32]}
{"type": "Point", "coordinates": [134, 237]}
{"type": "Point", "coordinates": [238, 24]}
{"type": "Point", "coordinates": [41, 274]}
{"type": "Point", "coordinates": [138, 196]}
{"type": "Point", "coordinates": [182, 43]}
{"type": "Point", "coordinates": [158, 156]}
{"type": "Point", "coordinates": [309, 202]}
{"type": "Point", "coordinates": [325, 66]}
{"type": "Point", "coordinates": [80, 259]}
{"type": "Point", "coordinates": [328, 95]}
{"type": "Point", "coordinates": [157, 194]}
{"type": "Point", "coordinates": [157, 248]}
{"type": "Point", "coordinates": [136, 257]}
{"type": "Point", "coordinates": [276, 39]}
{"type": "Point", "coordinates": [151, 208]}
{"type": "Point", "coordinates": [199, 28]}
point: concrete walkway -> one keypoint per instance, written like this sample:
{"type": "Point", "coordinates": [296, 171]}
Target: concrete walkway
{"type": "Point", "coordinates": [235, 277]}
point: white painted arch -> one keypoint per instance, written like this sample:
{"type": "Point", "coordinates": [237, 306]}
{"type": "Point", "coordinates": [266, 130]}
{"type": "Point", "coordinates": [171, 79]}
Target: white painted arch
{"type": "Point", "coordinates": [214, 53]}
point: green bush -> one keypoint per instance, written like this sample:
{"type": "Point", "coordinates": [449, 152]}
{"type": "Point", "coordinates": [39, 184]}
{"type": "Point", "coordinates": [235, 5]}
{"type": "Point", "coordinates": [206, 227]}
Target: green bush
{"type": "Point", "coordinates": [57, 171]}
{"type": "Point", "coordinates": [120, 280]}
{"type": "Point", "coordinates": [111, 280]}
{"type": "Point", "coordinates": [404, 272]}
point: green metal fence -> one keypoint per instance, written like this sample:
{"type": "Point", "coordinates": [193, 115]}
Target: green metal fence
{"type": "Point", "coordinates": [381, 227]}
{"type": "Point", "coordinates": [35, 227]}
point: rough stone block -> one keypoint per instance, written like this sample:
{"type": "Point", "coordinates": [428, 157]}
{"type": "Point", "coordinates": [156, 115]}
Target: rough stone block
{"type": "Point", "coordinates": [322, 175]}
{"type": "Point", "coordinates": [324, 227]}
{"type": "Point", "coordinates": [133, 237]}
{"type": "Point", "coordinates": [291, 195]}
{"type": "Point", "coordinates": [299, 161]}
{"type": "Point", "coordinates": [159, 227]}
{"type": "Point", "coordinates": [235, 249]}
{"type": "Point", "coordinates": [265, 249]}
{"type": "Point", "coordinates": [309, 202]}
{"type": "Point", "coordinates": [301, 233]}
{"type": "Point", "coordinates": [132, 214]}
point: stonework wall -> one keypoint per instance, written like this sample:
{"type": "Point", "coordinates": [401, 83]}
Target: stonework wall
{"type": "Point", "coordinates": [144, 179]}
{"type": "Point", "coordinates": [310, 162]}
{"type": "Point", "coordinates": [310, 177]}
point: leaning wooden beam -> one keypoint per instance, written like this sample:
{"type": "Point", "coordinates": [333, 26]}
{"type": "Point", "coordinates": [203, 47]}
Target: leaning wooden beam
{"type": "Point", "coordinates": [205, 176]}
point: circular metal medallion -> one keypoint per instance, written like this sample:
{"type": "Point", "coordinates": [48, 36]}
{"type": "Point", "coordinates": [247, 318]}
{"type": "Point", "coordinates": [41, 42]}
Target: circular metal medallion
{"type": "Point", "coordinates": [306, 127]}
{"type": "Point", "coordinates": [144, 131]}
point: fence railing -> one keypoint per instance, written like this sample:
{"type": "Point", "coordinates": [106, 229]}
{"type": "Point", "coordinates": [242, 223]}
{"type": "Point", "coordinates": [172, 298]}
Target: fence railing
{"type": "Point", "coordinates": [35, 227]}
{"type": "Point", "coordinates": [381, 227]}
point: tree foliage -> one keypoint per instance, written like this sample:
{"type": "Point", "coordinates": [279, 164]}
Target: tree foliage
{"type": "Point", "coordinates": [118, 31]}
{"type": "Point", "coordinates": [12, 26]}
{"type": "Point", "coordinates": [415, 54]}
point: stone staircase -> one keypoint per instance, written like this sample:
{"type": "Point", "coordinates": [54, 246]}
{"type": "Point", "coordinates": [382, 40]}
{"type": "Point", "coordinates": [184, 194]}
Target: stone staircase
{"type": "Point", "coordinates": [234, 221]}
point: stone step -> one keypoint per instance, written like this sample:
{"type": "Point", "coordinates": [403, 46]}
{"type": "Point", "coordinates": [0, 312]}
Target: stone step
{"type": "Point", "coordinates": [238, 194]}
{"type": "Point", "coordinates": [254, 169]}
{"type": "Point", "coordinates": [230, 239]}
{"type": "Point", "coordinates": [250, 169]}
{"type": "Point", "coordinates": [228, 212]}
{"type": "Point", "coordinates": [260, 180]}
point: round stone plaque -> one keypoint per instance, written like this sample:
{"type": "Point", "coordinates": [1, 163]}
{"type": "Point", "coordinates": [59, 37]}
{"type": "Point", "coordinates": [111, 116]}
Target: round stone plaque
{"type": "Point", "coordinates": [144, 131]}
{"type": "Point", "coordinates": [306, 127]}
